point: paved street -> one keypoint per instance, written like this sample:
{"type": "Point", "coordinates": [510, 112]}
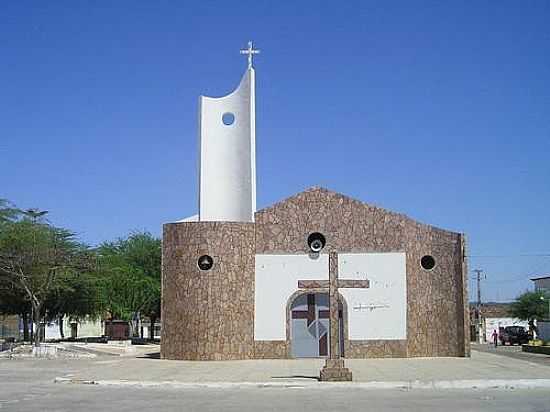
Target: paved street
{"type": "Point", "coordinates": [32, 396]}
{"type": "Point", "coordinates": [28, 384]}
{"type": "Point", "coordinates": [514, 352]}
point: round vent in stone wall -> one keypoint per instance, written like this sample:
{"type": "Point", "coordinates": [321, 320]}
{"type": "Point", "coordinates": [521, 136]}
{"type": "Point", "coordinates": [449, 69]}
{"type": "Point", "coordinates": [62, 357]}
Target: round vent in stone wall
{"type": "Point", "coordinates": [205, 262]}
{"type": "Point", "coordinates": [427, 262]}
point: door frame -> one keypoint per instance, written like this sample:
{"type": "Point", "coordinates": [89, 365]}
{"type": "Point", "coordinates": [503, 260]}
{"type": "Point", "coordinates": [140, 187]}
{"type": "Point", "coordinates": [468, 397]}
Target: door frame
{"type": "Point", "coordinates": [343, 345]}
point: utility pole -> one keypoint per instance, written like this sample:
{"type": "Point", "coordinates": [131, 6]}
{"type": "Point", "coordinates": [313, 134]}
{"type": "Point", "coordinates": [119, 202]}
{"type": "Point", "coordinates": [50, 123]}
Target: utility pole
{"type": "Point", "coordinates": [479, 323]}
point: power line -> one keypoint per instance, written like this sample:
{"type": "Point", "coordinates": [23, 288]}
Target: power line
{"type": "Point", "coordinates": [510, 256]}
{"type": "Point", "coordinates": [508, 280]}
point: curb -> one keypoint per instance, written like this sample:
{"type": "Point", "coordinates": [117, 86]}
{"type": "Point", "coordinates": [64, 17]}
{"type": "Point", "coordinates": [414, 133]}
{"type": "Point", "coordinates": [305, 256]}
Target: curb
{"type": "Point", "coordinates": [403, 385]}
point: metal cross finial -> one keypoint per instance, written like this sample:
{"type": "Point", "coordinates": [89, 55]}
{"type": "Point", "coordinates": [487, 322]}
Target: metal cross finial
{"type": "Point", "coordinates": [250, 51]}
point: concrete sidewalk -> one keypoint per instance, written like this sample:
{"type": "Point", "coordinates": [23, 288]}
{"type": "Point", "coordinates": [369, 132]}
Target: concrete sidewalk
{"type": "Point", "coordinates": [481, 366]}
{"type": "Point", "coordinates": [481, 370]}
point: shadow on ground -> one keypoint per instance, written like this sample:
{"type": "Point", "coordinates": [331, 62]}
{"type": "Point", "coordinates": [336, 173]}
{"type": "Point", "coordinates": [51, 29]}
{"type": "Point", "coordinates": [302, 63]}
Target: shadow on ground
{"type": "Point", "coordinates": [151, 355]}
{"type": "Point", "coordinates": [296, 377]}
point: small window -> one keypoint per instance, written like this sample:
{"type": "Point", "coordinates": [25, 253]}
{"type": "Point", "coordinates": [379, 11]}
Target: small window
{"type": "Point", "coordinates": [228, 119]}
{"type": "Point", "coordinates": [427, 262]}
{"type": "Point", "coordinates": [205, 262]}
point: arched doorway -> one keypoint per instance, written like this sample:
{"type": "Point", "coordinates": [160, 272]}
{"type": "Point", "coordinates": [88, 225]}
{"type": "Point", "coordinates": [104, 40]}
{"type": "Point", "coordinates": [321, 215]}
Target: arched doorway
{"type": "Point", "coordinates": [309, 326]}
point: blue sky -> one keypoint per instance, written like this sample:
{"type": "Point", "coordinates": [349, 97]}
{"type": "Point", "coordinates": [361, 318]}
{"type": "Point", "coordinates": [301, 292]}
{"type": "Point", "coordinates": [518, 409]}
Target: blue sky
{"type": "Point", "coordinates": [437, 110]}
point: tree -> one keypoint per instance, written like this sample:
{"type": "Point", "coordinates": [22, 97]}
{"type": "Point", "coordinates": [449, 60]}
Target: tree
{"type": "Point", "coordinates": [14, 301]}
{"type": "Point", "coordinates": [8, 212]}
{"type": "Point", "coordinates": [130, 277]}
{"type": "Point", "coordinates": [34, 255]}
{"type": "Point", "coordinates": [530, 306]}
{"type": "Point", "coordinates": [76, 294]}
{"type": "Point", "coordinates": [144, 251]}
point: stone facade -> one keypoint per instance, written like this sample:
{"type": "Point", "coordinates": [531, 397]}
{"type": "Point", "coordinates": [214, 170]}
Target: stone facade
{"type": "Point", "coordinates": [210, 314]}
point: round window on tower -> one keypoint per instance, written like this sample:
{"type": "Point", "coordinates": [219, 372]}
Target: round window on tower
{"type": "Point", "coordinates": [228, 119]}
{"type": "Point", "coordinates": [427, 262]}
{"type": "Point", "coordinates": [205, 262]}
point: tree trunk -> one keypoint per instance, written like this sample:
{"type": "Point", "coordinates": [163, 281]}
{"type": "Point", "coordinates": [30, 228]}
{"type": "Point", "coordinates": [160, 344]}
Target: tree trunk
{"type": "Point", "coordinates": [153, 320]}
{"type": "Point", "coordinates": [25, 317]}
{"type": "Point", "coordinates": [131, 328]}
{"type": "Point", "coordinates": [31, 339]}
{"type": "Point", "coordinates": [37, 321]}
{"type": "Point", "coordinates": [134, 332]}
{"type": "Point", "coordinates": [135, 323]}
{"type": "Point", "coordinates": [60, 320]}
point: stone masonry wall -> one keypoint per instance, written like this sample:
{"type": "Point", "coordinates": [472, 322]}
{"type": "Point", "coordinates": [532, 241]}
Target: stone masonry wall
{"type": "Point", "coordinates": [208, 315]}
{"type": "Point", "coordinates": [436, 298]}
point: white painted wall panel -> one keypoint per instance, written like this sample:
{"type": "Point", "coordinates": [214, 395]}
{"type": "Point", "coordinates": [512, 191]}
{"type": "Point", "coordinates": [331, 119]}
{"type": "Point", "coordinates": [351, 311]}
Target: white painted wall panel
{"type": "Point", "coordinates": [86, 328]}
{"type": "Point", "coordinates": [379, 312]}
{"type": "Point", "coordinates": [276, 280]}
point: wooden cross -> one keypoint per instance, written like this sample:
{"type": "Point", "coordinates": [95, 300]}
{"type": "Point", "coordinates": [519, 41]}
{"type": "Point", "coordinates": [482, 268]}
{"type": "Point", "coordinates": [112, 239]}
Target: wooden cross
{"type": "Point", "coordinates": [334, 368]}
{"type": "Point", "coordinates": [251, 51]}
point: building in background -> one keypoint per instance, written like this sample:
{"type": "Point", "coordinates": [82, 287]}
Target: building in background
{"type": "Point", "coordinates": [496, 316]}
{"type": "Point", "coordinates": [74, 328]}
{"type": "Point", "coordinates": [10, 327]}
{"type": "Point", "coordinates": [542, 283]}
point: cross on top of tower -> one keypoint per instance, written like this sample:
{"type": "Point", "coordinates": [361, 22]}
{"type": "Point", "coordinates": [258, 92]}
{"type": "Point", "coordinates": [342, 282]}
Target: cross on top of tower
{"type": "Point", "coordinates": [250, 51]}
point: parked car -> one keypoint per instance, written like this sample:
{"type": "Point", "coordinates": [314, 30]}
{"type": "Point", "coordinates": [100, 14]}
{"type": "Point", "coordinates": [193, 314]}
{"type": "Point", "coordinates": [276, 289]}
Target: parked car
{"type": "Point", "coordinates": [513, 335]}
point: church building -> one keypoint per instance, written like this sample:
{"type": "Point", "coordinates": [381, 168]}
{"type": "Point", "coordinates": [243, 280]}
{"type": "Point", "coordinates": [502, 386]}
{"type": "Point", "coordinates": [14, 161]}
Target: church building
{"type": "Point", "coordinates": [241, 283]}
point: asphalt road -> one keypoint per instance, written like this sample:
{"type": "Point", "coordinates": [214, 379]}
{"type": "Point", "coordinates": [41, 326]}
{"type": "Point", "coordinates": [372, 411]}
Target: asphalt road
{"type": "Point", "coordinates": [29, 396]}
{"type": "Point", "coordinates": [513, 351]}
{"type": "Point", "coordinates": [28, 386]}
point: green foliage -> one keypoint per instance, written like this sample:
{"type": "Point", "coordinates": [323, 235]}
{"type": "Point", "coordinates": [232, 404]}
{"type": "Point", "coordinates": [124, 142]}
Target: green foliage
{"type": "Point", "coordinates": [46, 267]}
{"type": "Point", "coordinates": [531, 305]}
{"type": "Point", "coordinates": [33, 255]}
{"type": "Point", "coordinates": [75, 295]}
{"type": "Point", "coordinates": [129, 275]}
{"type": "Point", "coordinates": [8, 212]}
{"type": "Point", "coordinates": [13, 300]}
{"type": "Point", "coordinates": [36, 258]}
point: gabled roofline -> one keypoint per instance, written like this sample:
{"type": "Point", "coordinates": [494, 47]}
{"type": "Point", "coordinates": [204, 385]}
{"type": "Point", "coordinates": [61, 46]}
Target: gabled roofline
{"type": "Point", "coordinates": [359, 202]}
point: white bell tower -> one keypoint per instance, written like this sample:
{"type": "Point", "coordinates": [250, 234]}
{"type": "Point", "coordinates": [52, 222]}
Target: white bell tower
{"type": "Point", "coordinates": [227, 141]}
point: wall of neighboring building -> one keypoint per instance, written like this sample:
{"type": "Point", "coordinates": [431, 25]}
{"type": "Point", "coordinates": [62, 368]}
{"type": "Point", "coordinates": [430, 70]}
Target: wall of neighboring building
{"type": "Point", "coordinates": [543, 327]}
{"type": "Point", "coordinates": [9, 326]}
{"type": "Point", "coordinates": [84, 328]}
{"type": "Point", "coordinates": [156, 331]}
{"type": "Point", "coordinates": [492, 324]}
{"type": "Point", "coordinates": [542, 284]}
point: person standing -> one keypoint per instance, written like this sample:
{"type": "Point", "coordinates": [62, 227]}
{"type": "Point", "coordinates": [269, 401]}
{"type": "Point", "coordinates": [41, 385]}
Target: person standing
{"type": "Point", "coordinates": [495, 337]}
